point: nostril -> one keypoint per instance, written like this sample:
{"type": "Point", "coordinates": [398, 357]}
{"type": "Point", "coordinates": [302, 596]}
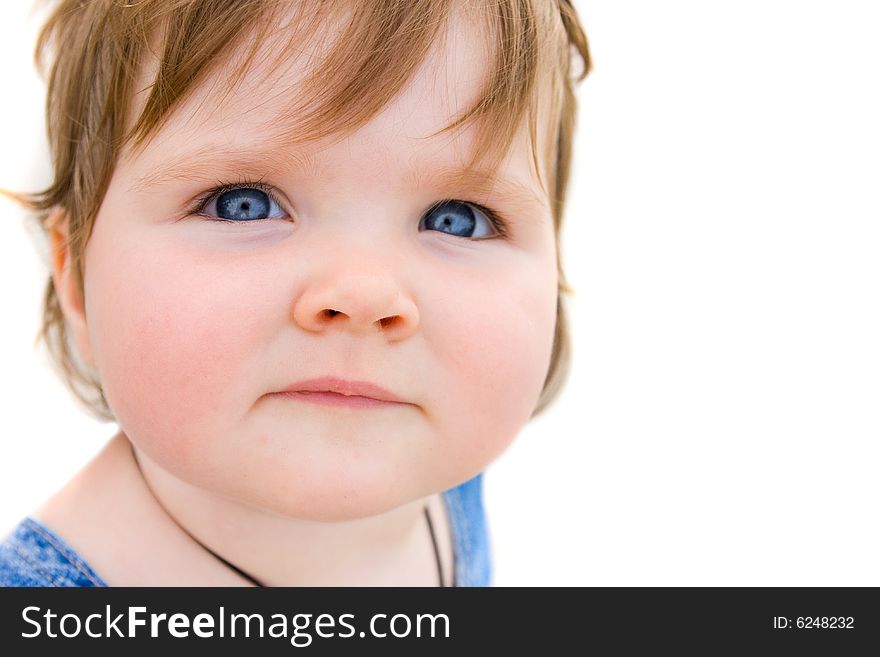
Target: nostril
{"type": "Point", "coordinates": [331, 312]}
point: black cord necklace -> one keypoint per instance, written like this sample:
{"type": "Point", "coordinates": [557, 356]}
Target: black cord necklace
{"type": "Point", "coordinates": [255, 581]}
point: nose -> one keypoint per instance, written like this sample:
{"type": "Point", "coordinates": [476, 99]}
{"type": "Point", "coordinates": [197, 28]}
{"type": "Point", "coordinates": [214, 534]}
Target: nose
{"type": "Point", "coordinates": [358, 301]}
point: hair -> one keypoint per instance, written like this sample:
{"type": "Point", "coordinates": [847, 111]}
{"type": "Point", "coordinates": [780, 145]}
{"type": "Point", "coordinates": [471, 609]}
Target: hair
{"type": "Point", "coordinates": [96, 48]}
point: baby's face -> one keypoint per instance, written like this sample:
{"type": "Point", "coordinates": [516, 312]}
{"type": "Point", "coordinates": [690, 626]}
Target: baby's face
{"type": "Point", "coordinates": [193, 324]}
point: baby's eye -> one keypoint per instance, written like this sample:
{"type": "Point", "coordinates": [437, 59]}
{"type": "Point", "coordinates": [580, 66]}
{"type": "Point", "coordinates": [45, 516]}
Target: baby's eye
{"type": "Point", "coordinates": [245, 202]}
{"type": "Point", "coordinates": [240, 204]}
{"type": "Point", "coordinates": [460, 217]}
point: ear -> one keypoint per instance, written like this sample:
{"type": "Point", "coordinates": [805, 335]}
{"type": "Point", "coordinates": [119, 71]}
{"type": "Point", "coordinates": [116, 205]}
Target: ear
{"type": "Point", "coordinates": [69, 298]}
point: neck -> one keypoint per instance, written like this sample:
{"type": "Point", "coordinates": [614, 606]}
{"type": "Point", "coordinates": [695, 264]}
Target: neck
{"type": "Point", "coordinates": [391, 548]}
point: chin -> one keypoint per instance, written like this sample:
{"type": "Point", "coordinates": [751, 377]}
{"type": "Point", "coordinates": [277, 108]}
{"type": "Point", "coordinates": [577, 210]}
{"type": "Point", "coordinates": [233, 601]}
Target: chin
{"type": "Point", "coordinates": [329, 503]}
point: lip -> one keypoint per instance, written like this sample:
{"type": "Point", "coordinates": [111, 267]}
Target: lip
{"type": "Point", "coordinates": [334, 390]}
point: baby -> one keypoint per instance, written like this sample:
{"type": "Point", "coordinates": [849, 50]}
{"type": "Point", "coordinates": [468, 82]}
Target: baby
{"type": "Point", "coordinates": [306, 256]}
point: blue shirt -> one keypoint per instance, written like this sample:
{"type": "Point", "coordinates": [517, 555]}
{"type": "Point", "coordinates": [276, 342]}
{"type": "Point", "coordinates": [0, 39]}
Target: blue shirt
{"type": "Point", "coordinates": [33, 555]}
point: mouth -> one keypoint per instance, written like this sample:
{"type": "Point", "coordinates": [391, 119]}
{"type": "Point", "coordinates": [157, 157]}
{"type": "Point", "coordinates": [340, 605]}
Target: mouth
{"type": "Point", "coordinates": [334, 391]}
{"type": "Point", "coordinates": [328, 398]}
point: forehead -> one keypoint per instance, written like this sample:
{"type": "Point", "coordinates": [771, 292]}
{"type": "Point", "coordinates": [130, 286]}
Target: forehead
{"type": "Point", "coordinates": [256, 112]}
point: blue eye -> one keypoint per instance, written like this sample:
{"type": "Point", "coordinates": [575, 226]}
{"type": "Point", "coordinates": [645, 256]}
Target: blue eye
{"type": "Point", "coordinates": [252, 202]}
{"type": "Point", "coordinates": [460, 218]}
{"type": "Point", "coordinates": [240, 203]}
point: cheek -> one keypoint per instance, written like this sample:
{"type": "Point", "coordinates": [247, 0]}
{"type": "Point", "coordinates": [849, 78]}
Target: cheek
{"type": "Point", "coordinates": [496, 354]}
{"type": "Point", "coordinates": [172, 346]}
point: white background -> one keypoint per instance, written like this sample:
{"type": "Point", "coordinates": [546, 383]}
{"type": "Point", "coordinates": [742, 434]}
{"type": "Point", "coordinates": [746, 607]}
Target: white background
{"type": "Point", "coordinates": [720, 426]}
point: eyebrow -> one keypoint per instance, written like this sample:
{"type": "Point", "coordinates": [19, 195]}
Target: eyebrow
{"type": "Point", "coordinates": [204, 164]}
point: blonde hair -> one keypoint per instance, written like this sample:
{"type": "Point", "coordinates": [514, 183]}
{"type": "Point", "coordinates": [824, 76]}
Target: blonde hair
{"type": "Point", "coordinates": [97, 47]}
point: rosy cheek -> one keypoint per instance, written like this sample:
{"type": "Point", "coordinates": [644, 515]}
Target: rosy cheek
{"type": "Point", "coordinates": [496, 355]}
{"type": "Point", "coordinates": [169, 349]}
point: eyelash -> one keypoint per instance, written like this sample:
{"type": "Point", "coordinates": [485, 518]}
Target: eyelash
{"type": "Point", "coordinates": [498, 222]}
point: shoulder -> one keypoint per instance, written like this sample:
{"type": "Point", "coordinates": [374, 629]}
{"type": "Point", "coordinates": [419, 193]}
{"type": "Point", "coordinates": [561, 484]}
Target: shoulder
{"type": "Point", "coordinates": [470, 533]}
{"type": "Point", "coordinates": [19, 566]}
{"type": "Point", "coordinates": [32, 555]}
